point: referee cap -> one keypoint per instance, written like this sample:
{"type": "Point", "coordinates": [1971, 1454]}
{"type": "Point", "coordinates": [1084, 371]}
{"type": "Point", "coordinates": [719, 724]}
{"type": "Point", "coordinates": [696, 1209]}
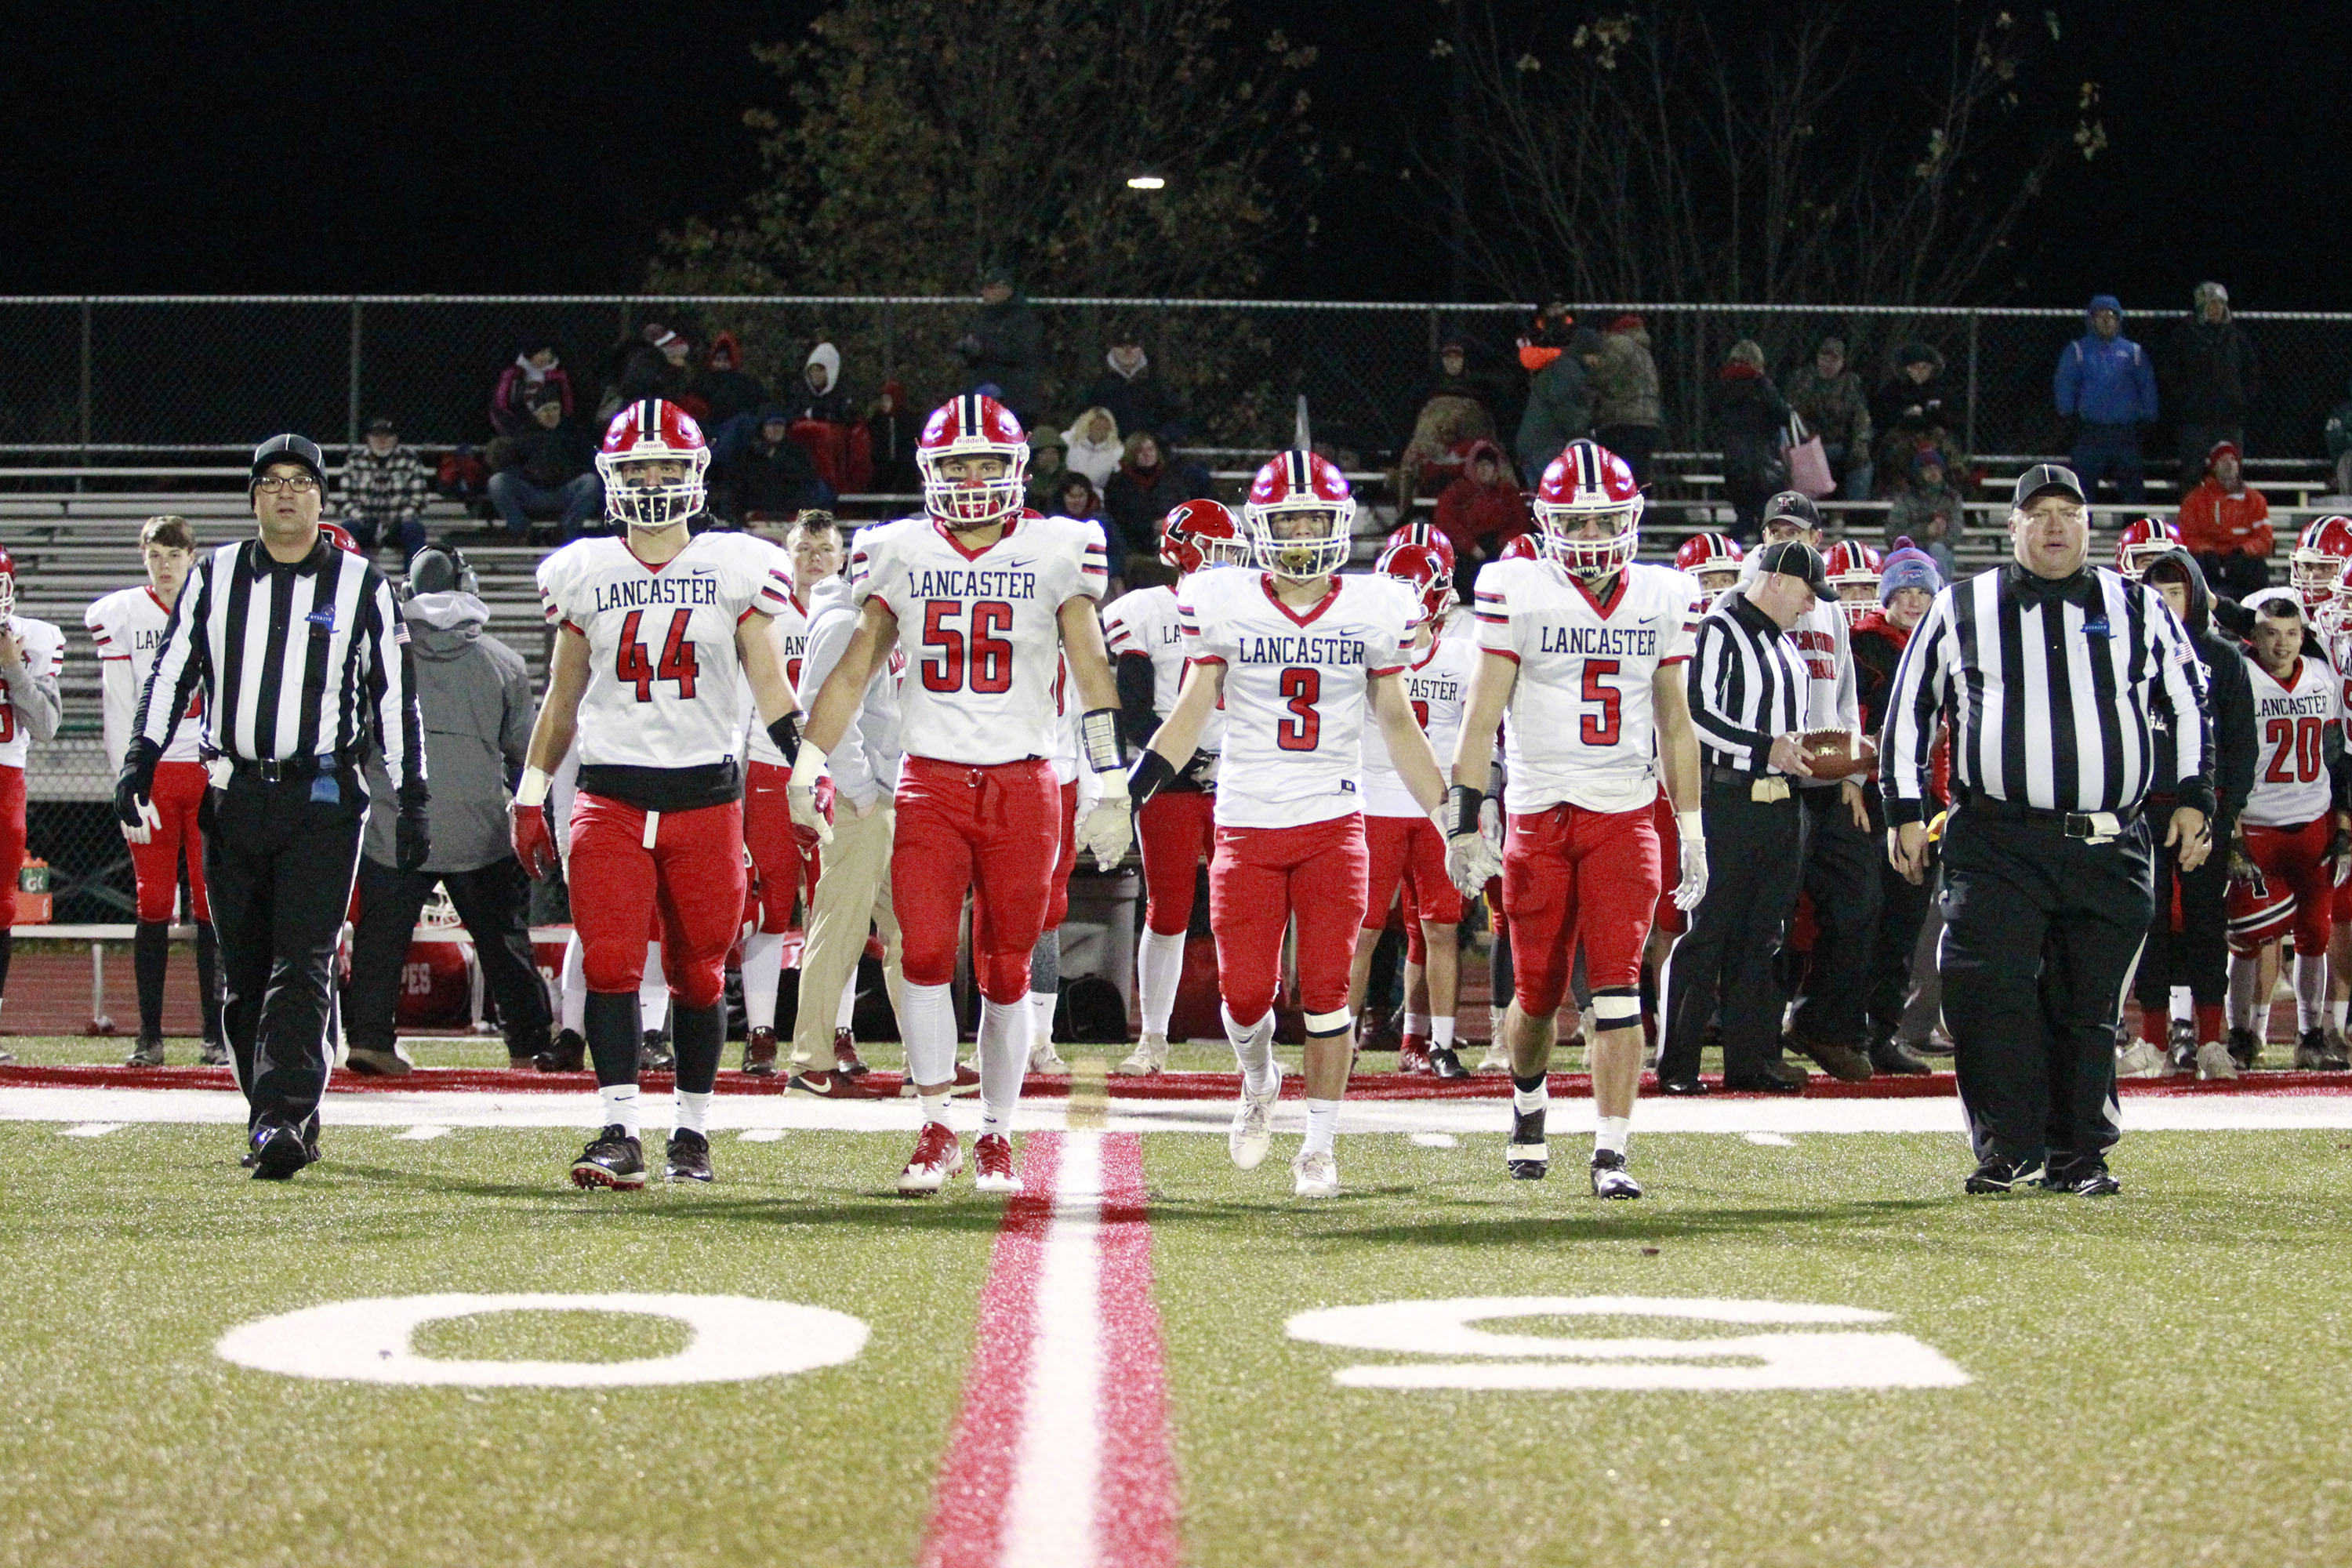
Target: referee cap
{"type": "Point", "coordinates": [2046, 476]}
{"type": "Point", "coordinates": [291, 449]}
{"type": "Point", "coordinates": [1795, 558]}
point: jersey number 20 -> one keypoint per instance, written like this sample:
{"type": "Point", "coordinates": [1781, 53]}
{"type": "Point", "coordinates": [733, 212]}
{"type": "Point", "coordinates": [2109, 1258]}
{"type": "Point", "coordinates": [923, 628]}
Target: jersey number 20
{"type": "Point", "coordinates": [632, 667]}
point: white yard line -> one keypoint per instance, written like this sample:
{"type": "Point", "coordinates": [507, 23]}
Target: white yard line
{"type": "Point", "coordinates": [90, 1129]}
{"type": "Point", "coordinates": [424, 1131]}
{"type": "Point", "coordinates": [1050, 1517]}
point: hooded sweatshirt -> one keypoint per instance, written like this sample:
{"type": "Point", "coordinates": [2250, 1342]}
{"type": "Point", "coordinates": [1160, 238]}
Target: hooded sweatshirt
{"type": "Point", "coordinates": [1480, 517]}
{"type": "Point", "coordinates": [831, 406]}
{"type": "Point", "coordinates": [864, 763]}
{"type": "Point", "coordinates": [2104, 381]}
{"type": "Point", "coordinates": [2229, 697]}
{"type": "Point", "coordinates": [1098, 460]}
{"type": "Point", "coordinates": [474, 693]}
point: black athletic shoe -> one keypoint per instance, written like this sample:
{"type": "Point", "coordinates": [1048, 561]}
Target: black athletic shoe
{"type": "Point", "coordinates": [1686, 1085]}
{"type": "Point", "coordinates": [1528, 1159]}
{"type": "Point", "coordinates": [214, 1054]}
{"type": "Point", "coordinates": [1444, 1063]}
{"type": "Point", "coordinates": [1772, 1078]}
{"type": "Point", "coordinates": [279, 1151]}
{"type": "Point", "coordinates": [1996, 1175]}
{"type": "Point", "coordinates": [1609, 1177]}
{"type": "Point", "coordinates": [1893, 1057]}
{"type": "Point", "coordinates": [654, 1053]}
{"type": "Point", "coordinates": [612, 1159]}
{"type": "Point", "coordinates": [2084, 1178]}
{"type": "Point", "coordinates": [2245, 1049]}
{"type": "Point", "coordinates": [2314, 1054]}
{"type": "Point", "coordinates": [569, 1053]}
{"type": "Point", "coordinates": [148, 1053]}
{"type": "Point", "coordinates": [689, 1156]}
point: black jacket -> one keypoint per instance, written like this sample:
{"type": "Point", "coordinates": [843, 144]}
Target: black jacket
{"type": "Point", "coordinates": [2230, 695]}
{"type": "Point", "coordinates": [550, 458]}
{"type": "Point", "coordinates": [2214, 375]}
{"type": "Point", "coordinates": [1004, 346]}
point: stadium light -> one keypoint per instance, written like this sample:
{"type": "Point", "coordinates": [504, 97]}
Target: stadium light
{"type": "Point", "coordinates": [1145, 182]}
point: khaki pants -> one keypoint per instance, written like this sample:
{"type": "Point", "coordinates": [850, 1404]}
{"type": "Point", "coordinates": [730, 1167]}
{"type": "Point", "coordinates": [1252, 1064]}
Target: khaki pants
{"type": "Point", "coordinates": [854, 891]}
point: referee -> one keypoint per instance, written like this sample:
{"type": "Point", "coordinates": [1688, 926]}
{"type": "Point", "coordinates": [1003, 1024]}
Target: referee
{"type": "Point", "coordinates": [2067, 689]}
{"type": "Point", "coordinates": [300, 660]}
{"type": "Point", "coordinates": [1747, 691]}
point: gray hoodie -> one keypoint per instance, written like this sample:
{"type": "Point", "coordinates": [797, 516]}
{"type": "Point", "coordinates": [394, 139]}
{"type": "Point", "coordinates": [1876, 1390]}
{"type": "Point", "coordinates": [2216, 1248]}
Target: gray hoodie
{"type": "Point", "coordinates": [864, 763]}
{"type": "Point", "coordinates": [474, 692]}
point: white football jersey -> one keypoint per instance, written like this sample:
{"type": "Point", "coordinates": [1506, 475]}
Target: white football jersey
{"type": "Point", "coordinates": [128, 625]}
{"type": "Point", "coordinates": [45, 654]}
{"type": "Point", "coordinates": [1437, 684]}
{"type": "Point", "coordinates": [791, 632]}
{"type": "Point", "coordinates": [1460, 623]}
{"type": "Point", "coordinates": [1145, 621]}
{"type": "Point", "coordinates": [981, 629]}
{"type": "Point", "coordinates": [1298, 689]}
{"type": "Point", "coordinates": [665, 682]}
{"type": "Point", "coordinates": [1581, 727]}
{"type": "Point", "coordinates": [2291, 722]}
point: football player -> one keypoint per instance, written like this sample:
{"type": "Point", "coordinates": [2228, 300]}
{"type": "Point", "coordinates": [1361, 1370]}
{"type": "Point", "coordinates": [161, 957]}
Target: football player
{"type": "Point", "coordinates": [128, 626]}
{"type": "Point", "coordinates": [1456, 622]}
{"type": "Point", "coordinates": [1853, 569]}
{"type": "Point", "coordinates": [1175, 825]}
{"type": "Point", "coordinates": [1583, 648]}
{"type": "Point", "coordinates": [985, 599]}
{"type": "Point", "coordinates": [2339, 942]}
{"type": "Point", "coordinates": [2141, 542]}
{"type": "Point", "coordinates": [657, 629]}
{"type": "Point", "coordinates": [32, 656]}
{"type": "Point", "coordinates": [2316, 565]}
{"type": "Point", "coordinates": [1301, 658]}
{"type": "Point", "coordinates": [1401, 844]}
{"type": "Point", "coordinates": [1713, 558]}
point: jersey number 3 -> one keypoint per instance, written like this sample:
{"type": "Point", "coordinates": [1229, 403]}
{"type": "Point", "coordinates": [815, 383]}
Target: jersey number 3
{"type": "Point", "coordinates": [1304, 727]}
{"type": "Point", "coordinates": [632, 667]}
{"type": "Point", "coordinates": [947, 660]}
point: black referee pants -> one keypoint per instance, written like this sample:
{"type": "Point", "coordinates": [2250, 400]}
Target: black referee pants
{"type": "Point", "coordinates": [277, 865]}
{"type": "Point", "coordinates": [1755, 850]}
{"type": "Point", "coordinates": [1841, 876]}
{"type": "Point", "coordinates": [2041, 931]}
{"type": "Point", "coordinates": [490, 901]}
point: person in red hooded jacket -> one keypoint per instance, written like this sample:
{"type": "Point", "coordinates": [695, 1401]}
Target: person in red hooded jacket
{"type": "Point", "coordinates": [1483, 509]}
{"type": "Point", "coordinates": [2225, 524]}
{"type": "Point", "coordinates": [1908, 584]}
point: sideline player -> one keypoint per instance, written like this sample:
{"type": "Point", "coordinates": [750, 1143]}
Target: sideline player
{"type": "Point", "coordinates": [1584, 649]}
{"type": "Point", "coordinates": [1175, 827]}
{"type": "Point", "coordinates": [985, 599]}
{"type": "Point", "coordinates": [128, 628]}
{"type": "Point", "coordinates": [1401, 845]}
{"type": "Point", "coordinates": [2316, 565]}
{"type": "Point", "coordinates": [2141, 542]}
{"type": "Point", "coordinates": [655, 628]}
{"type": "Point", "coordinates": [1713, 558]}
{"type": "Point", "coordinates": [1300, 658]}
{"type": "Point", "coordinates": [32, 656]}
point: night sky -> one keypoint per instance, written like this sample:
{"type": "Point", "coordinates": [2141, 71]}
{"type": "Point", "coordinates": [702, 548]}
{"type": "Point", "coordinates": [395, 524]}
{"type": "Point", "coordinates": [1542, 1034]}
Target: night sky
{"type": "Point", "coordinates": [525, 148]}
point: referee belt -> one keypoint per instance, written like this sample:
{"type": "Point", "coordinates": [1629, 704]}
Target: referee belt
{"type": "Point", "coordinates": [2096, 826]}
{"type": "Point", "coordinates": [1765, 787]}
{"type": "Point", "coordinates": [284, 770]}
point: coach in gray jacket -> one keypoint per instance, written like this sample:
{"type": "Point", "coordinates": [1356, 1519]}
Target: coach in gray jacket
{"type": "Point", "coordinates": [475, 693]}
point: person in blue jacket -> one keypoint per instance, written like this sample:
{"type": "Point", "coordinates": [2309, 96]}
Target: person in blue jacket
{"type": "Point", "coordinates": [2106, 386]}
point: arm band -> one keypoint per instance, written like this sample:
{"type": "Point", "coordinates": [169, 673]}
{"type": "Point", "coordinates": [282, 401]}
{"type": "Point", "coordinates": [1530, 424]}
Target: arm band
{"type": "Point", "coordinates": [1462, 804]}
{"type": "Point", "coordinates": [1153, 773]}
{"type": "Point", "coordinates": [786, 733]}
{"type": "Point", "coordinates": [1098, 732]}
{"type": "Point", "coordinates": [533, 789]}
{"type": "Point", "coordinates": [807, 767]}
{"type": "Point", "coordinates": [1691, 824]}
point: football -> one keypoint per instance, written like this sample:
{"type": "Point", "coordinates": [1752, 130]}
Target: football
{"type": "Point", "coordinates": [1838, 753]}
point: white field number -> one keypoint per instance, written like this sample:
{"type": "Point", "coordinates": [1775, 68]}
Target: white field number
{"type": "Point", "coordinates": [1443, 1334]}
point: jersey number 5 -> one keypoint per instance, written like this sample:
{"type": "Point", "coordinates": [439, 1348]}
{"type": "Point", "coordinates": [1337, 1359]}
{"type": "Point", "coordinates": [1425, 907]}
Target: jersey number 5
{"type": "Point", "coordinates": [1304, 728]}
{"type": "Point", "coordinates": [990, 663]}
{"type": "Point", "coordinates": [1599, 729]}
{"type": "Point", "coordinates": [633, 668]}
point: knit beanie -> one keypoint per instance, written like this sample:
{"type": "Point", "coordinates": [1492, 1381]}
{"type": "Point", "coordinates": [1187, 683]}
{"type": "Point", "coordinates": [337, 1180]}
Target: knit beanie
{"type": "Point", "coordinates": [1907, 567]}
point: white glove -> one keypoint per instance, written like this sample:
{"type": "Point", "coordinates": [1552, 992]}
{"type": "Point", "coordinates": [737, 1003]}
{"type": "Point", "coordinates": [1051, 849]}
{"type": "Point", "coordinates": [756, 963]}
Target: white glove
{"type": "Point", "coordinates": [1471, 858]}
{"type": "Point", "coordinates": [1108, 827]}
{"type": "Point", "coordinates": [150, 819]}
{"type": "Point", "coordinates": [799, 792]}
{"type": "Point", "coordinates": [1693, 886]}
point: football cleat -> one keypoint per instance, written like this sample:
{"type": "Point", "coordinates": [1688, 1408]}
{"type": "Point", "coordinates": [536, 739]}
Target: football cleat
{"type": "Point", "coordinates": [2313, 1053]}
{"type": "Point", "coordinates": [2084, 1178]}
{"type": "Point", "coordinates": [1496, 1059]}
{"type": "Point", "coordinates": [1609, 1177]}
{"type": "Point", "coordinates": [991, 1158]}
{"type": "Point", "coordinates": [937, 1156]}
{"type": "Point", "coordinates": [2139, 1059]}
{"type": "Point", "coordinates": [1995, 1175]}
{"type": "Point", "coordinates": [1044, 1058]}
{"type": "Point", "coordinates": [149, 1053]}
{"type": "Point", "coordinates": [214, 1054]}
{"type": "Point", "coordinates": [1315, 1175]}
{"type": "Point", "coordinates": [1528, 1159]}
{"type": "Point", "coordinates": [835, 1084]}
{"type": "Point", "coordinates": [759, 1053]}
{"type": "Point", "coordinates": [1412, 1055]}
{"type": "Point", "coordinates": [845, 1055]}
{"type": "Point", "coordinates": [612, 1158]}
{"type": "Point", "coordinates": [1445, 1064]}
{"type": "Point", "coordinates": [1149, 1060]}
{"type": "Point", "coordinates": [654, 1053]}
{"type": "Point", "coordinates": [2215, 1062]}
{"type": "Point", "coordinates": [1253, 1130]}
{"type": "Point", "coordinates": [280, 1151]}
{"type": "Point", "coordinates": [2245, 1049]}
{"type": "Point", "coordinates": [569, 1053]}
{"type": "Point", "coordinates": [687, 1159]}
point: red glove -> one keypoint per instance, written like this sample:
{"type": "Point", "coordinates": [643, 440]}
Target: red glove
{"type": "Point", "coordinates": [533, 845]}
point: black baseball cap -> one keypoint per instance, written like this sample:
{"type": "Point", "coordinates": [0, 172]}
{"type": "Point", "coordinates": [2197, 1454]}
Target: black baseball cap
{"type": "Point", "coordinates": [382, 425]}
{"type": "Point", "coordinates": [1797, 507]}
{"type": "Point", "coordinates": [2045, 476]}
{"type": "Point", "coordinates": [290, 449]}
{"type": "Point", "coordinates": [1795, 558]}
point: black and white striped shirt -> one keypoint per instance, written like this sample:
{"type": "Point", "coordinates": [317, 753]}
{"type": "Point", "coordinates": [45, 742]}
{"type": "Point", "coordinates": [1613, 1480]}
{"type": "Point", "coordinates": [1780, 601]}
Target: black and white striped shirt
{"type": "Point", "coordinates": [306, 659]}
{"type": "Point", "coordinates": [2052, 690]}
{"type": "Point", "coordinates": [1748, 685]}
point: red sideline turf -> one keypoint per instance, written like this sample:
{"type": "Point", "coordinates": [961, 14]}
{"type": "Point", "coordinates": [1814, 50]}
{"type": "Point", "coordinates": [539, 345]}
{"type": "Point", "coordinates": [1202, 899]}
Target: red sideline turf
{"type": "Point", "coordinates": [1167, 1086]}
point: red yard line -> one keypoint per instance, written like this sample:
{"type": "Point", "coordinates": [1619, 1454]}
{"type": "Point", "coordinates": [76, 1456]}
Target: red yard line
{"type": "Point", "coordinates": [1137, 1513]}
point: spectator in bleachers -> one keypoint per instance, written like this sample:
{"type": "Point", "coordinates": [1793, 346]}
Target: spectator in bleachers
{"type": "Point", "coordinates": [2338, 435]}
{"type": "Point", "coordinates": [1830, 398]}
{"type": "Point", "coordinates": [1142, 491]}
{"type": "Point", "coordinates": [1910, 412]}
{"type": "Point", "coordinates": [548, 470]}
{"type": "Point", "coordinates": [1484, 510]}
{"type": "Point", "coordinates": [384, 488]}
{"type": "Point", "coordinates": [1138, 399]}
{"type": "Point", "coordinates": [820, 395]}
{"type": "Point", "coordinates": [1003, 344]}
{"type": "Point", "coordinates": [655, 368]}
{"type": "Point", "coordinates": [2212, 378]}
{"type": "Point", "coordinates": [1045, 469]}
{"type": "Point", "coordinates": [771, 479]}
{"type": "Point", "coordinates": [728, 391]}
{"type": "Point", "coordinates": [2225, 524]}
{"type": "Point", "coordinates": [2104, 384]}
{"type": "Point", "coordinates": [1559, 397]}
{"type": "Point", "coordinates": [1077, 498]}
{"type": "Point", "coordinates": [1093, 446]}
{"type": "Point", "coordinates": [536, 366]}
{"type": "Point", "coordinates": [1750, 423]}
{"type": "Point", "coordinates": [1929, 511]}
{"type": "Point", "coordinates": [892, 429]}
{"type": "Point", "coordinates": [1626, 412]}
{"type": "Point", "coordinates": [1454, 411]}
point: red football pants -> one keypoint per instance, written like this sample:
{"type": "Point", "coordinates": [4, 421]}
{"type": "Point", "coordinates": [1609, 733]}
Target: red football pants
{"type": "Point", "coordinates": [1178, 832]}
{"type": "Point", "coordinates": [12, 838]}
{"type": "Point", "coordinates": [1058, 897]}
{"type": "Point", "coordinates": [688, 887]}
{"type": "Point", "coordinates": [179, 790]}
{"type": "Point", "coordinates": [1259, 879]}
{"type": "Point", "coordinates": [785, 860]}
{"type": "Point", "coordinates": [1667, 918]}
{"type": "Point", "coordinates": [1573, 877]}
{"type": "Point", "coordinates": [994, 832]}
{"type": "Point", "coordinates": [2293, 855]}
{"type": "Point", "coordinates": [1408, 850]}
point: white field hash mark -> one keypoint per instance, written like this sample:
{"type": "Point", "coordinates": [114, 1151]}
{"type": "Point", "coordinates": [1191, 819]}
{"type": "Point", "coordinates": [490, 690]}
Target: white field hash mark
{"type": "Point", "coordinates": [1050, 1517]}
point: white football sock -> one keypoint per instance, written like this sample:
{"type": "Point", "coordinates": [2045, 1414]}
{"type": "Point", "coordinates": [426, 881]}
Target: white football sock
{"type": "Point", "coordinates": [2184, 1005]}
{"type": "Point", "coordinates": [1158, 969]}
{"type": "Point", "coordinates": [1041, 1015]}
{"type": "Point", "coordinates": [935, 1108]}
{"type": "Point", "coordinates": [1522, 1101]}
{"type": "Point", "coordinates": [1253, 1049]}
{"type": "Point", "coordinates": [2245, 979]}
{"type": "Point", "coordinates": [1416, 1025]}
{"type": "Point", "coordinates": [575, 985]}
{"type": "Point", "coordinates": [2310, 991]}
{"type": "Point", "coordinates": [620, 1105]}
{"type": "Point", "coordinates": [694, 1113]}
{"type": "Point", "coordinates": [2336, 1012]}
{"type": "Point", "coordinates": [929, 1028]}
{"type": "Point", "coordinates": [763, 970]}
{"type": "Point", "coordinates": [1322, 1124]}
{"type": "Point", "coordinates": [1612, 1133]}
{"type": "Point", "coordinates": [848, 1008]}
{"type": "Point", "coordinates": [652, 991]}
{"type": "Point", "coordinates": [1003, 1057]}
{"type": "Point", "coordinates": [1441, 1033]}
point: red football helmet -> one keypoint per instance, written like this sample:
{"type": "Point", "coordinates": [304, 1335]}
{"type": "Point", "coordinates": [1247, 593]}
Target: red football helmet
{"type": "Point", "coordinates": [337, 535]}
{"type": "Point", "coordinates": [7, 583]}
{"type": "Point", "coordinates": [2142, 542]}
{"type": "Point", "coordinates": [1519, 547]}
{"type": "Point", "coordinates": [2317, 563]}
{"type": "Point", "coordinates": [1199, 533]}
{"type": "Point", "coordinates": [2343, 590]}
{"type": "Point", "coordinates": [1423, 532]}
{"type": "Point", "coordinates": [1421, 567]}
{"type": "Point", "coordinates": [1588, 482]}
{"type": "Point", "coordinates": [1704, 555]}
{"type": "Point", "coordinates": [641, 435]}
{"type": "Point", "coordinates": [1853, 565]}
{"type": "Point", "coordinates": [972, 426]}
{"type": "Point", "coordinates": [2259, 913]}
{"type": "Point", "coordinates": [1300, 485]}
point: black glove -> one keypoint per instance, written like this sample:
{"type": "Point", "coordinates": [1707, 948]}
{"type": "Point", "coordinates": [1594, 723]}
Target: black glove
{"type": "Point", "coordinates": [411, 835]}
{"type": "Point", "coordinates": [136, 783]}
